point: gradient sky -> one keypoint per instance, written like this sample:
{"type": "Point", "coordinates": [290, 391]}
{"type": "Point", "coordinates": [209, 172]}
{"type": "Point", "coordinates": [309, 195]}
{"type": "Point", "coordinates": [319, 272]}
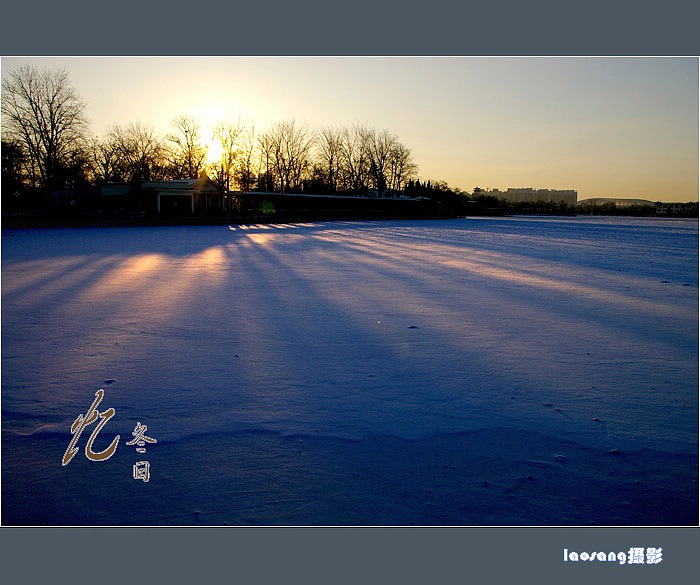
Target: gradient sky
{"type": "Point", "coordinates": [607, 127]}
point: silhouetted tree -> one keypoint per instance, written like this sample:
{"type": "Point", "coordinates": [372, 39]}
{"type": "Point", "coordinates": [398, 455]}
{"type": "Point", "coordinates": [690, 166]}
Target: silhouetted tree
{"type": "Point", "coordinates": [246, 174]}
{"type": "Point", "coordinates": [185, 152]}
{"type": "Point", "coordinates": [104, 161]}
{"type": "Point", "coordinates": [355, 157]}
{"type": "Point", "coordinates": [14, 160]}
{"type": "Point", "coordinates": [380, 146]}
{"type": "Point", "coordinates": [290, 146]}
{"type": "Point", "coordinates": [74, 172]}
{"type": "Point", "coordinates": [229, 134]}
{"type": "Point", "coordinates": [401, 167]}
{"type": "Point", "coordinates": [266, 181]}
{"type": "Point", "coordinates": [43, 111]}
{"type": "Point", "coordinates": [329, 153]}
{"type": "Point", "coordinates": [140, 152]}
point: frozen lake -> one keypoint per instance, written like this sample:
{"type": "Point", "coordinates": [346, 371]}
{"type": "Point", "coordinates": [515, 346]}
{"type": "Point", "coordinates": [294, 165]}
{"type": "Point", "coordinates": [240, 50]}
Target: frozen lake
{"type": "Point", "coordinates": [483, 371]}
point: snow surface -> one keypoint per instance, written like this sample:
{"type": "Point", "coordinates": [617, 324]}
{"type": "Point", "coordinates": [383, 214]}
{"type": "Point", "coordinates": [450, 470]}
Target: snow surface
{"type": "Point", "coordinates": [480, 371]}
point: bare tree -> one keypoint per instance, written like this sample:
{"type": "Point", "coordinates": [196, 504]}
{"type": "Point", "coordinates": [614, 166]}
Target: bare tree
{"type": "Point", "coordinates": [401, 167]}
{"type": "Point", "coordinates": [355, 157]}
{"type": "Point", "coordinates": [140, 151]}
{"type": "Point", "coordinates": [105, 162]}
{"type": "Point", "coordinates": [381, 145]}
{"type": "Point", "coordinates": [291, 146]}
{"type": "Point", "coordinates": [43, 111]}
{"type": "Point", "coordinates": [245, 173]}
{"type": "Point", "coordinates": [229, 134]}
{"type": "Point", "coordinates": [329, 145]}
{"type": "Point", "coordinates": [265, 175]}
{"type": "Point", "coordinates": [185, 152]}
{"type": "Point", "coordinates": [14, 161]}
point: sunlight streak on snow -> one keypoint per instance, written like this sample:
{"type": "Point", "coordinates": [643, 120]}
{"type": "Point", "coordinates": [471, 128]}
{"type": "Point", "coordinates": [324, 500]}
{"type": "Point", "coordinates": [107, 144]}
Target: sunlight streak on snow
{"type": "Point", "coordinates": [131, 274]}
{"type": "Point", "coordinates": [260, 239]}
{"type": "Point", "coordinates": [580, 284]}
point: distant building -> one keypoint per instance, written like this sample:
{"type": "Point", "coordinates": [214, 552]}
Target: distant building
{"type": "Point", "coordinates": [677, 209]}
{"type": "Point", "coordinates": [530, 195]}
{"type": "Point", "coordinates": [167, 198]}
{"type": "Point", "coordinates": [617, 202]}
{"type": "Point", "coordinates": [639, 207]}
{"type": "Point", "coordinates": [188, 196]}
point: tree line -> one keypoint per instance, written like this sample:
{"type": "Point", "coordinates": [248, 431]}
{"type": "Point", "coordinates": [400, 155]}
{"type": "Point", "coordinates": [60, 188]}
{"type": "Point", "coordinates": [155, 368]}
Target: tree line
{"type": "Point", "coordinates": [46, 147]}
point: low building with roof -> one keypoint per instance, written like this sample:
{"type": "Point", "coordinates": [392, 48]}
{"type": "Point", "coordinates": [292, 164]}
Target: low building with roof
{"type": "Point", "coordinates": [171, 198]}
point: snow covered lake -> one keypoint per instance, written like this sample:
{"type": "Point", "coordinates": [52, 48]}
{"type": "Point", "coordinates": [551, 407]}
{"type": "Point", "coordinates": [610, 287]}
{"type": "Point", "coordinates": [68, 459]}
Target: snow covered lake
{"type": "Point", "coordinates": [480, 371]}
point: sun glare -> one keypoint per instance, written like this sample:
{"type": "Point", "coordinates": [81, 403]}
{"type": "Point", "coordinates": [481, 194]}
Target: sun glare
{"type": "Point", "coordinates": [207, 118]}
{"type": "Point", "coordinates": [214, 151]}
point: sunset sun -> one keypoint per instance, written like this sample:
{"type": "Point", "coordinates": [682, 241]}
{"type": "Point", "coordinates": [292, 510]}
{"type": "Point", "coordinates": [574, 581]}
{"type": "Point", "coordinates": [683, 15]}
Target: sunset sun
{"type": "Point", "coordinates": [214, 151]}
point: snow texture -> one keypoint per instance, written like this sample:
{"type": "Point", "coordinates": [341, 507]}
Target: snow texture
{"type": "Point", "coordinates": [484, 371]}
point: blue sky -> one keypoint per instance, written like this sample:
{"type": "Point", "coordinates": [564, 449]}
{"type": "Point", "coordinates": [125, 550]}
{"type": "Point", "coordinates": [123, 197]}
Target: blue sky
{"type": "Point", "coordinates": [607, 127]}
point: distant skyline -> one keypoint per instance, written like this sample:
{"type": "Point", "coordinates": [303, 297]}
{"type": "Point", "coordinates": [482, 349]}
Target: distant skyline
{"type": "Point", "coordinates": [621, 127]}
